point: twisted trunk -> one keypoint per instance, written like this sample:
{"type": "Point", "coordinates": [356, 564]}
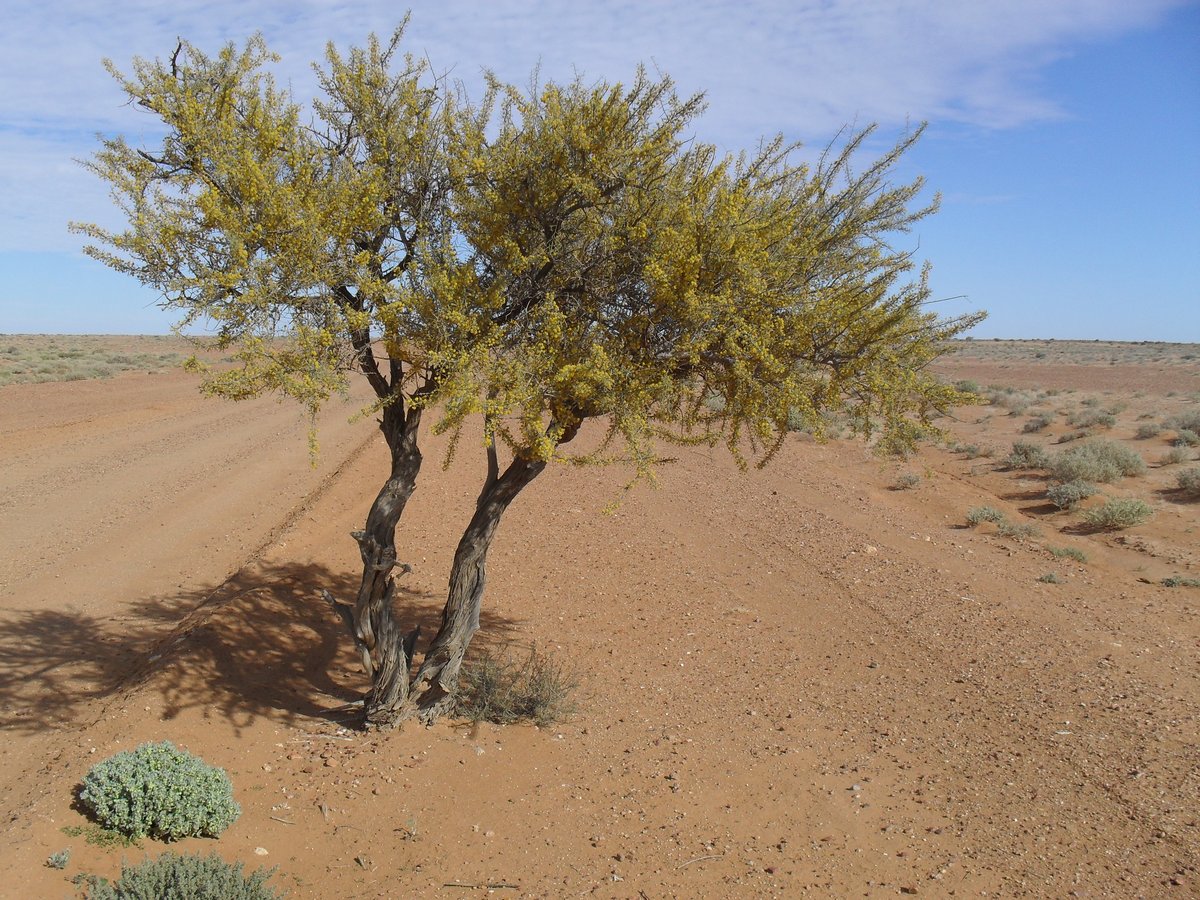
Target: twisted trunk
{"type": "Point", "coordinates": [386, 653]}
{"type": "Point", "coordinates": [468, 574]}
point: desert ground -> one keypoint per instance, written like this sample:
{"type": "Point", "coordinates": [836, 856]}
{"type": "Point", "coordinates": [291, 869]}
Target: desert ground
{"type": "Point", "coordinates": [814, 679]}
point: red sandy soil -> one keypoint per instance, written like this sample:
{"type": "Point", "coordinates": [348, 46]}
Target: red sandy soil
{"type": "Point", "coordinates": [795, 681]}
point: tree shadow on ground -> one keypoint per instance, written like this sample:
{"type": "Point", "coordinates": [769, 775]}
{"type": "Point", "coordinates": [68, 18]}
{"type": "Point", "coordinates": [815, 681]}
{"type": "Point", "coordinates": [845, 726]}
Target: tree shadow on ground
{"type": "Point", "coordinates": [261, 644]}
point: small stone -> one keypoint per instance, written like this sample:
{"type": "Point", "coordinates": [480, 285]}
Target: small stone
{"type": "Point", "coordinates": [331, 763]}
{"type": "Point", "coordinates": [260, 851]}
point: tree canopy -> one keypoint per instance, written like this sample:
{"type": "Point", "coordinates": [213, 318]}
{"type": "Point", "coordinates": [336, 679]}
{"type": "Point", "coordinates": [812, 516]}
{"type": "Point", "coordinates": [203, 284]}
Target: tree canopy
{"type": "Point", "coordinates": [537, 258]}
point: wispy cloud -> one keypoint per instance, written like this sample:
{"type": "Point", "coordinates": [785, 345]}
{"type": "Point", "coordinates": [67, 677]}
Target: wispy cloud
{"type": "Point", "coordinates": [804, 67]}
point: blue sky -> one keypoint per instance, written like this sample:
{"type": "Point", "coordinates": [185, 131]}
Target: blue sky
{"type": "Point", "coordinates": [1064, 135]}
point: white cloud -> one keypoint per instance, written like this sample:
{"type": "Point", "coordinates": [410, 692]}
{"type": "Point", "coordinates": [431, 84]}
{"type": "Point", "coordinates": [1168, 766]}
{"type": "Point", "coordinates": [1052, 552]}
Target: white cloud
{"type": "Point", "coordinates": [804, 67]}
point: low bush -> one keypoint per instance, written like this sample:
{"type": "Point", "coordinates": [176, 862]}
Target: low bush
{"type": "Point", "coordinates": [60, 859]}
{"type": "Point", "coordinates": [159, 791]}
{"type": "Point", "coordinates": [1174, 456]}
{"type": "Point", "coordinates": [1180, 581]}
{"type": "Point", "coordinates": [1188, 421]}
{"type": "Point", "coordinates": [1147, 431]}
{"type": "Point", "coordinates": [1018, 530]}
{"type": "Point", "coordinates": [1118, 513]}
{"type": "Point", "coordinates": [1077, 435]}
{"type": "Point", "coordinates": [1069, 494]}
{"type": "Point", "coordinates": [1069, 553]}
{"type": "Point", "coordinates": [907, 481]}
{"type": "Point", "coordinates": [1092, 418]}
{"type": "Point", "coordinates": [1097, 461]}
{"type": "Point", "coordinates": [1185, 437]}
{"type": "Point", "coordinates": [979, 514]}
{"type": "Point", "coordinates": [1188, 481]}
{"type": "Point", "coordinates": [1037, 423]}
{"type": "Point", "coordinates": [1051, 578]}
{"type": "Point", "coordinates": [1025, 455]}
{"type": "Point", "coordinates": [498, 689]}
{"type": "Point", "coordinates": [184, 877]}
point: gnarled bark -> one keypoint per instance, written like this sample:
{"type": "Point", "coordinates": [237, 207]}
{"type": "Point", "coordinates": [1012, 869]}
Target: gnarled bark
{"type": "Point", "coordinates": [437, 679]}
{"type": "Point", "coordinates": [468, 574]}
{"type": "Point", "coordinates": [385, 651]}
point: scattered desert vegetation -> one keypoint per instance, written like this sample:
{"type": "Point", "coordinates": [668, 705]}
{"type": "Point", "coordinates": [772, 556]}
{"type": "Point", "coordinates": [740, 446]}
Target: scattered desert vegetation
{"type": "Point", "coordinates": [500, 689]}
{"type": "Point", "coordinates": [26, 358]}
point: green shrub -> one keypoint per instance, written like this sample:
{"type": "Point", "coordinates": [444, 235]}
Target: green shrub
{"type": "Point", "coordinates": [60, 859]}
{"type": "Point", "coordinates": [907, 481]}
{"type": "Point", "coordinates": [1148, 430]}
{"type": "Point", "coordinates": [1025, 455]}
{"type": "Point", "coordinates": [1188, 481]}
{"type": "Point", "coordinates": [159, 791]}
{"type": "Point", "coordinates": [1188, 421]}
{"type": "Point", "coordinates": [1118, 513]}
{"type": "Point", "coordinates": [497, 689]}
{"type": "Point", "coordinates": [1096, 461]}
{"type": "Point", "coordinates": [1174, 456]}
{"type": "Point", "coordinates": [1069, 553]}
{"type": "Point", "coordinates": [1180, 581]}
{"type": "Point", "coordinates": [1018, 530]}
{"type": "Point", "coordinates": [979, 514]}
{"type": "Point", "coordinates": [1069, 494]}
{"type": "Point", "coordinates": [185, 877]}
{"type": "Point", "coordinates": [1185, 437]}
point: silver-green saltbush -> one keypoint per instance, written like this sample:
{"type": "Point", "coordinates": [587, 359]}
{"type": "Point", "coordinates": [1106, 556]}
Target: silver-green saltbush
{"type": "Point", "coordinates": [160, 791]}
{"type": "Point", "coordinates": [1188, 482]}
{"type": "Point", "coordinates": [1069, 494]}
{"type": "Point", "coordinates": [1096, 461]}
{"type": "Point", "coordinates": [1122, 512]}
{"type": "Point", "coordinates": [185, 877]}
{"type": "Point", "coordinates": [1025, 455]}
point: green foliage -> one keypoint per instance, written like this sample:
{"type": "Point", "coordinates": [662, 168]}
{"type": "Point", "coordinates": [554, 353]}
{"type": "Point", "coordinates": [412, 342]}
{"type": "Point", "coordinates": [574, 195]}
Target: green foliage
{"type": "Point", "coordinates": [1025, 455]}
{"type": "Point", "coordinates": [184, 877]}
{"type": "Point", "coordinates": [499, 689]}
{"type": "Point", "coordinates": [1018, 530]}
{"type": "Point", "coordinates": [1148, 430]}
{"type": "Point", "coordinates": [1185, 437]}
{"type": "Point", "coordinates": [1097, 461]}
{"type": "Point", "coordinates": [1175, 456]}
{"type": "Point", "coordinates": [906, 481]}
{"type": "Point", "coordinates": [60, 859]}
{"type": "Point", "coordinates": [1180, 581]}
{"type": "Point", "coordinates": [1124, 512]}
{"type": "Point", "coordinates": [1186, 421]}
{"type": "Point", "coordinates": [99, 836]}
{"type": "Point", "coordinates": [979, 514]}
{"type": "Point", "coordinates": [1188, 482]}
{"type": "Point", "coordinates": [537, 258]}
{"type": "Point", "coordinates": [1069, 494]}
{"type": "Point", "coordinates": [159, 791]}
{"type": "Point", "coordinates": [1069, 553]}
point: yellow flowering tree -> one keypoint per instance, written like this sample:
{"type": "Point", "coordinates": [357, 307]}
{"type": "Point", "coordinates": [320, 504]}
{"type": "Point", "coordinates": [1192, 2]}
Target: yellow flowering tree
{"type": "Point", "coordinates": [534, 260]}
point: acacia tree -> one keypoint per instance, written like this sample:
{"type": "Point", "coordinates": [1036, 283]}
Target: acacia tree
{"type": "Point", "coordinates": [537, 259]}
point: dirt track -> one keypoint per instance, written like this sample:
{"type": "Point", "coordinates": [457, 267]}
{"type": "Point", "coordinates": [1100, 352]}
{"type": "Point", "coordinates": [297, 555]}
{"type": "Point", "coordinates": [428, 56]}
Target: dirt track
{"type": "Point", "coordinates": [795, 679]}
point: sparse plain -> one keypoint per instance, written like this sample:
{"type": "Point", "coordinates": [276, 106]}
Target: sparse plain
{"type": "Point", "coordinates": [817, 677]}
